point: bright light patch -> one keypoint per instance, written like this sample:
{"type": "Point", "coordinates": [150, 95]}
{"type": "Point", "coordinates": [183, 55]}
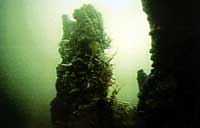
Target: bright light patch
{"type": "Point", "coordinates": [124, 21]}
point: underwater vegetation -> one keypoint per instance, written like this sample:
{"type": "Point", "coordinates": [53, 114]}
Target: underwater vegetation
{"type": "Point", "coordinates": [85, 75]}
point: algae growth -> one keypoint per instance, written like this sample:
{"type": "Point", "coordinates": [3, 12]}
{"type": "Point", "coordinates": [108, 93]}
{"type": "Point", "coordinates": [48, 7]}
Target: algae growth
{"type": "Point", "coordinates": [85, 75]}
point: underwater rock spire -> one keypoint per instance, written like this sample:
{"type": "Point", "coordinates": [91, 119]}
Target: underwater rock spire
{"type": "Point", "coordinates": [84, 75]}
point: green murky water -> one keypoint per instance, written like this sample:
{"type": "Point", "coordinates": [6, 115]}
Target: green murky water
{"type": "Point", "coordinates": [30, 33]}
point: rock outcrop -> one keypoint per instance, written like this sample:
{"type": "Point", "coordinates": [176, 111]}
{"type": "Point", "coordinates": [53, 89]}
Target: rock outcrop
{"type": "Point", "coordinates": [170, 95]}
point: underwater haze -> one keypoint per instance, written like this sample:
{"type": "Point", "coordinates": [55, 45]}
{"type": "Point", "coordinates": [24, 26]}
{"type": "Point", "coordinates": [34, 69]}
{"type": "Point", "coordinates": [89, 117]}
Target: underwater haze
{"type": "Point", "coordinates": [30, 32]}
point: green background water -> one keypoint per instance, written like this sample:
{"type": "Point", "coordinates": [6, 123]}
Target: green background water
{"type": "Point", "coordinates": [29, 35]}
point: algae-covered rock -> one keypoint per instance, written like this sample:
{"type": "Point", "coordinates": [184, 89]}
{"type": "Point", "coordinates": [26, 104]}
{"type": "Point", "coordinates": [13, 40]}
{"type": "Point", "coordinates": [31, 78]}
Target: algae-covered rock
{"type": "Point", "coordinates": [84, 75]}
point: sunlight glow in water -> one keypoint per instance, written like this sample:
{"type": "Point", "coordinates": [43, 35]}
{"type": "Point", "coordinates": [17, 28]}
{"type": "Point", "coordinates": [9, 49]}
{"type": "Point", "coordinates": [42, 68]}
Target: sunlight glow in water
{"type": "Point", "coordinates": [128, 27]}
{"type": "Point", "coordinates": [124, 21]}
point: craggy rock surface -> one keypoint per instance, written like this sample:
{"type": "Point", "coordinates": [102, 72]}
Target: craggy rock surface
{"type": "Point", "coordinates": [170, 95]}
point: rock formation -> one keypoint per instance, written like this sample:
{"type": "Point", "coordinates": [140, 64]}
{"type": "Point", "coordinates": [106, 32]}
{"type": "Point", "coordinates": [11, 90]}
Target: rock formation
{"type": "Point", "coordinates": [84, 75]}
{"type": "Point", "coordinates": [170, 95]}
